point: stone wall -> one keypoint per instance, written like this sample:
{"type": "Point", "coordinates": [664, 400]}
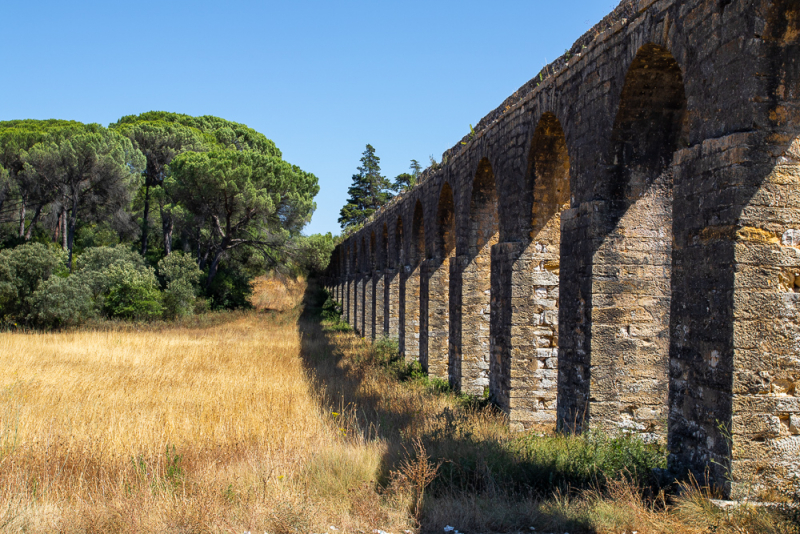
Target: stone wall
{"type": "Point", "coordinates": [618, 245]}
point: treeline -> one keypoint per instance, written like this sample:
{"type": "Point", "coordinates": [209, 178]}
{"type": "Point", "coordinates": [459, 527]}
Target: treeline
{"type": "Point", "coordinates": [150, 191]}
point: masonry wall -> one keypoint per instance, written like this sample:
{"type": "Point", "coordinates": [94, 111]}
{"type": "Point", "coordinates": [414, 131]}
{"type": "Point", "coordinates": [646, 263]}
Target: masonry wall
{"type": "Point", "coordinates": [620, 247]}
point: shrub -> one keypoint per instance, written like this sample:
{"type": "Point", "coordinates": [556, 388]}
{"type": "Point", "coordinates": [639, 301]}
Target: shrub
{"type": "Point", "coordinates": [181, 274]}
{"type": "Point", "coordinates": [22, 270]}
{"type": "Point", "coordinates": [133, 292]}
{"type": "Point", "coordinates": [230, 289]}
{"type": "Point", "coordinates": [94, 266]}
{"type": "Point", "coordinates": [62, 301]}
{"type": "Point", "coordinates": [331, 311]}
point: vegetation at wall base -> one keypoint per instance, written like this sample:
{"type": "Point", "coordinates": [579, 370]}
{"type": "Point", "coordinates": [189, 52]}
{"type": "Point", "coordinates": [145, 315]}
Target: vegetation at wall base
{"type": "Point", "coordinates": [490, 479]}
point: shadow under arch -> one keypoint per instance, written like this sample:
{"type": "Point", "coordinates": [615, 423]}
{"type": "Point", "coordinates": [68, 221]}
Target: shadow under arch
{"type": "Point", "coordinates": [415, 293]}
{"type": "Point", "coordinates": [631, 266]}
{"type": "Point", "coordinates": [363, 287]}
{"type": "Point", "coordinates": [528, 333]}
{"type": "Point", "coordinates": [472, 326]}
{"type": "Point", "coordinates": [398, 289]}
{"type": "Point", "coordinates": [382, 286]}
{"type": "Point", "coordinates": [437, 333]}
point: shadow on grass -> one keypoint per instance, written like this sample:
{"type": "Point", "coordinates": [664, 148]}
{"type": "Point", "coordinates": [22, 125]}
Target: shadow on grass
{"type": "Point", "coordinates": [482, 462]}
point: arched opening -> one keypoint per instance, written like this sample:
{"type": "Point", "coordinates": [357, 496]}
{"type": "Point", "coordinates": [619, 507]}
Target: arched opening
{"type": "Point", "coordinates": [365, 318]}
{"type": "Point", "coordinates": [355, 294]}
{"type": "Point", "coordinates": [476, 297]}
{"type": "Point", "coordinates": [382, 315]}
{"type": "Point", "coordinates": [531, 359]}
{"type": "Point", "coordinates": [375, 304]}
{"type": "Point", "coordinates": [413, 288]}
{"type": "Point", "coordinates": [439, 285]}
{"type": "Point", "coordinates": [397, 289]}
{"type": "Point", "coordinates": [632, 265]}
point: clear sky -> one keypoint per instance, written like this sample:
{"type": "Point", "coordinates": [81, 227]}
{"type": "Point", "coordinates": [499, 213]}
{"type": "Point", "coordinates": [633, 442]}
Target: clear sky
{"type": "Point", "coordinates": [321, 79]}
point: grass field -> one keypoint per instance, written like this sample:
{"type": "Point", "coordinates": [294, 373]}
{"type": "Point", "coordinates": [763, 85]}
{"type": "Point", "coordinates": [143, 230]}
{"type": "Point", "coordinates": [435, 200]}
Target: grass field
{"type": "Point", "coordinates": [268, 422]}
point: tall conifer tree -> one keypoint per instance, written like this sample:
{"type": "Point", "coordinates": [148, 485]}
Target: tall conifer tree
{"type": "Point", "coordinates": [370, 191]}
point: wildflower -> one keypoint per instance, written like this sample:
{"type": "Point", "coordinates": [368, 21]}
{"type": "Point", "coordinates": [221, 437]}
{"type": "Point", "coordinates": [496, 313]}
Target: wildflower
{"type": "Point", "coordinates": [335, 414]}
{"type": "Point", "coordinates": [280, 477]}
{"type": "Point", "coordinates": [333, 528]}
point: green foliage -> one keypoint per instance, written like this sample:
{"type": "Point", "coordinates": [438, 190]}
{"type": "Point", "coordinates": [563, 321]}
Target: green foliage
{"type": "Point", "coordinates": [471, 135]}
{"type": "Point", "coordinates": [181, 275]}
{"type": "Point", "coordinates": [230, 289]}
{"type": "Point", "coordinates": [313, 253]}
{"type": "Point", "coordinates": [133, 293]}
{"type": "Point", "coordinates": [331, 311]}
{"type": "Point", "coordinates": [217, 133]}
{"type": "Point", "coordinates": [22, 270]}
{"type": "Point", "coordinates": [246, 199]}
{"type": "Point", "coordinates": [62, 301]}
{"type": "Point", "coordinates": [369, 191]}
{"type": "Point", "coordinates": [404, 182]}
{"type": "Point", "coordinates": [219, 186]}
{"type": "Point", "coordinates": [542, 463]}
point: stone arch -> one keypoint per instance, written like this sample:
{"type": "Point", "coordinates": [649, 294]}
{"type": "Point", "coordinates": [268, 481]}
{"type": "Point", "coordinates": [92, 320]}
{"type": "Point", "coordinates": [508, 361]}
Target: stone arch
{"type": "Point", "coordinates": [444, 245]}
{"type": "Point", "coordinates": [375, 301]}
{"type": "Point", "coordinates": [413, 285]}
{"type": "Point", "coordinates": [356, 291]}
{"type": "Point", "coordinates": [397, 288]}
{"type": "Point", "coordinates": [383, 286]}
{"type": "Point", "coordinates": [483, 227]}
{"type": "Point", "coordinates": [367, 302]}
{"type": "Point", "coordinates": [528, 343]}
{"type": "Point", "coordinates": [632, 264]}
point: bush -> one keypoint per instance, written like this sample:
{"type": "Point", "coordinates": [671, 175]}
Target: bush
{"type": "Point", "coordinates": [94, 267]}
{"type": "Point", "coordinates": [229, 290]}
{"type": "Point", "coordinates": [181, 274]}
{"type": "Point", "coordinates": [331, 310]}
{"type": "Point", "coordinates": [22, 270]}
{"type": "Point", "coordinates": [62, 302]}
{"type": "Point", "coordinates": [133, 293]}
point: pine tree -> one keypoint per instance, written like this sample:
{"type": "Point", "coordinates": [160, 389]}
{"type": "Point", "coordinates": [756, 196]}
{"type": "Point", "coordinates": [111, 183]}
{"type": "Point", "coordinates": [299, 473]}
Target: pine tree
{"type": "Point", "coordinates": [369, 191]}
{"type": "Point", "coordinates": [405, 181]}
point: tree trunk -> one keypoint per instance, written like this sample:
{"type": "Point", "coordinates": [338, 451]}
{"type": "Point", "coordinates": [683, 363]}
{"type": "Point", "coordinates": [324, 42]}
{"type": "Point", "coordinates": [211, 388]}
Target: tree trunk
{"type": "Point", "coordinates": [63, 228]}
{"type": "Point", "coordinates": [167, 226]}
{"type": "Point", "coordinates": [145, 216]}
{"type": "Point", "coordinates": [212, 270]}
{"type": "Point", "coordinates": [35, 219]}
{"type": "Point", "coordinates": [73, 221]}
{"type": "Point", "coordinates": [22, 212]}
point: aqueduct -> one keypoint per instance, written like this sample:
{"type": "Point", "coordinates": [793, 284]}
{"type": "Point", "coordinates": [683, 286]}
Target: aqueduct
{"type": "Point", "coordinates": [618, 245]}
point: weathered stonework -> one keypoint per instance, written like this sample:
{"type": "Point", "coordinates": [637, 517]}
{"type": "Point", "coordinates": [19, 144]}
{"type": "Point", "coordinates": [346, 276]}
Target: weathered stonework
{"type": "Point", "coordinates": [618, 245]}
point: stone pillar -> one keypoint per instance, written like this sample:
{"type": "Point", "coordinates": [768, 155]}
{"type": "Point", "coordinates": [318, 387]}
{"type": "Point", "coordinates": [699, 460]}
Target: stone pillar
{"type": "Point", "coordinates": [411, 317]}
{"type": "Point", "coordinates": [438, 318]}
{"type": "Point", "coordinates": [369, 308]}
{"type": "Point", "coordinates": [454, 368]}
{"type": "Point", "coordinates": [380, 304]}
{"type": "Point", "coordinates": [359, 323]}
{"type": "Point", "coordinates": [354, 307]}
{"type": "Point", "coordinates": [347, 300]}
{"type": "Point", "coordinates": [392, 290]}
{"type": "Point", "coordinates": [476, 322]}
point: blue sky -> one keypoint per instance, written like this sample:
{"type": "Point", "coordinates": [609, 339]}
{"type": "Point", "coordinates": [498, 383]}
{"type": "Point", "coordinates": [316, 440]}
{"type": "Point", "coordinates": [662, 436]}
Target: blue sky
{"type": "Point", "coordinates": [321, 79]}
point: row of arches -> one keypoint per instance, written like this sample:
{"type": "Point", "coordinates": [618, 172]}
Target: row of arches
{"type": "Point", "coordinates": [484, 311]}
{"type": "Point", "coordinates": [620, 249]}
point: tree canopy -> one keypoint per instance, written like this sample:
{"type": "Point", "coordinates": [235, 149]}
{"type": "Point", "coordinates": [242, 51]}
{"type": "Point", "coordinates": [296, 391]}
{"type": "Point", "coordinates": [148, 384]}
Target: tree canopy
{"type": "Point", "coordinates": [234, 206]}
{"type": "Point", "coordinates": [242, 198]}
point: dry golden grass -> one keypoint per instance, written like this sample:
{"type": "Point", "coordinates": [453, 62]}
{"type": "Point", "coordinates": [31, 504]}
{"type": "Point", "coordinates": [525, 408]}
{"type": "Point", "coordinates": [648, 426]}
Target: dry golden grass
{"type": "Point", "coordinates": [266, 423]}
{"type": "Point", "coordinates": [187, 430]}
{"type": "Point", "coordinates": [276, 292]}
